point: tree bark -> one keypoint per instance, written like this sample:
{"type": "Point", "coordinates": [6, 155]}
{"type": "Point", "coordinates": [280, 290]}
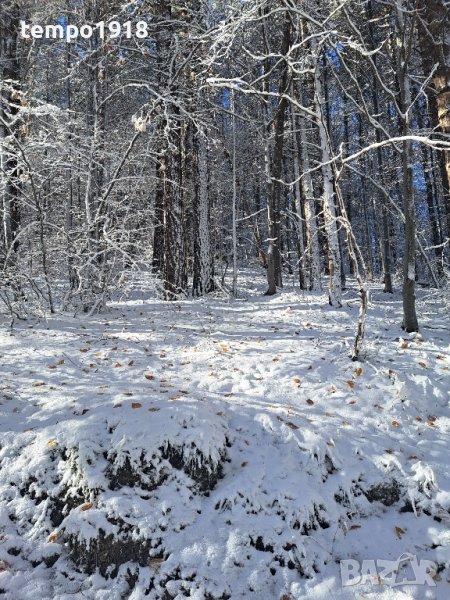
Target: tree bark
{"type": "Point", "coordinates": [274, 278]}
{"type": "Point", "coordinates": [329, 201]}
{"type": "Point", "coordinates": [10, 95]}
{"type": "Point", "coordinates": [203, 272]}
{"type": "Point", "coordinates": [410, 322]}
{"type": "Point", "coordinates": [434, 39]}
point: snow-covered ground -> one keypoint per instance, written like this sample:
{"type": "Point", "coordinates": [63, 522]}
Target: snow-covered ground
{"type": "Point", "coordinates": [230, 447]}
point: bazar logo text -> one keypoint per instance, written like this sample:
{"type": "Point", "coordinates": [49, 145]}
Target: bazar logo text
{"type": "Point", "coordinates": [386, 572]}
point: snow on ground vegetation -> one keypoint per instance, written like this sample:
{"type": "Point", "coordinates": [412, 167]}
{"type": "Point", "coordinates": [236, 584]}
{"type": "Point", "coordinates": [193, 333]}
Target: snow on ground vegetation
{"type": "Point", "coordinates": [217, 449]}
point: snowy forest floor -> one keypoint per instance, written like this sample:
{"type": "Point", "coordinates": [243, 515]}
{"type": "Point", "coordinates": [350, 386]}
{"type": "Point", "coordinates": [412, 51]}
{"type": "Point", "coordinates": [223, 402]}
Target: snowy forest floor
{"type": "Point", "coordinates": [232, 442]}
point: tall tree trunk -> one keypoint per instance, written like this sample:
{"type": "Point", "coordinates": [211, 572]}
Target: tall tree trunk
{"type": "Point", "coordinates": [274, 192]}
{"type": "Point", "coordinates": [436, 239]}
{"type": "Point", "coordinates": [329, 200]}
{"type": "Point", "coordinates": [174, 267]}
{"type": "Point", "coordinates": [158, 220]}
{"type": "Point", "coordinates": [10, 97]}
{"type": "Point", "coordinates": [326, 117]}
{"type": "Point", "coordinates": [434, 39]}
{"type": "Point", "coordinates": [312, 232]}
{"type": "Point", "coordinates": [203, 272]}
{"type": "Point", "coordinates": [92, 279]}
{"type": "Point", "coordinates": [255, 223]}
{"type": "Point", "coordinates": [69, 203]}
{"type": "Point", "coordinates": [304, 283]}
{"type": "Point", "coordinates": [385, 229]}
{"type": "Point", "coordinates": [410, 322]}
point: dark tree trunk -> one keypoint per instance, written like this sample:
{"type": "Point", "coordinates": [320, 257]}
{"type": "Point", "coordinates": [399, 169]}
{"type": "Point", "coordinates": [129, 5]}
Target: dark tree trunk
{"type": "Point", "coordinates": [10, 98]}
{"type": "Point", "coordinates": [275, 187]}
{"type": "Point", "coordinates": [433, 26]}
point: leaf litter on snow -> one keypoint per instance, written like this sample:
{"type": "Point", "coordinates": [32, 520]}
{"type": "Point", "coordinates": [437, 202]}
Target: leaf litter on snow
{"type": "Point", "coordinates": [254, 482]}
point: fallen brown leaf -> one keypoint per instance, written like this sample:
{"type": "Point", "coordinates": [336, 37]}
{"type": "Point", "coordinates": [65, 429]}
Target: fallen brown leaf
{"type": "Point", "coordinates": [4, 566]}
{"type": "Point", "coordinates": [155, 564]}
{"type": "Point", "coordinates": [54, 537]}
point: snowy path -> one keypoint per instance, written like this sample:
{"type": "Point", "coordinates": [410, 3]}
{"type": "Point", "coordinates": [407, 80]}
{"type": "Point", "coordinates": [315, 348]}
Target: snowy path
{"type": "Point", "coordinates": [261, 395]}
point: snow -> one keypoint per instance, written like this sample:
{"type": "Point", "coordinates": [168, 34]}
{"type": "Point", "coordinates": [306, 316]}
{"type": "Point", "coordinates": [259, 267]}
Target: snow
{"type": "Point", "coordinates": [255, 398]}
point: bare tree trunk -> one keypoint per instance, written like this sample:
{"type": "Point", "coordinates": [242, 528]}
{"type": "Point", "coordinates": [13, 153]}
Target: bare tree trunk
{"type": "Point", "coordinates": [69, 203]}
{"type": "Point", "coordinates": [433, 27]}
{"type": "Point", "coordinates": [158, 229]}
{"type": "Point", "coordinates": [410, 322]}
{"type": "Point", "coordinates": [385, 233]}
{"type": "Point", "coordinates": [274, 192]}
{"type": "Point", "coordinates": [329, 203]}
{"type": "Point", "coordinates": [174, 269]}
{"type": "Point", "coordinates": [312, 232]}
{"type": "Point", "coordinates": [91, 276]}
{"type": "Point", "coordinates": [203, 275]}
{"type": "Point", "coordinates": [432, 217]}
{"type": "Point", "coordinates": [324, 101]}
{"type": "Point", "coordinates": [255, 224]}
{"type": "Point", "coordinates": [10, 95]}
{"type": "Point", "coordinates": [162, 45]}
{"type": "Point", "coordinates": [304, 283]}
{"type": "Point", "coordinates": [234, 200]}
